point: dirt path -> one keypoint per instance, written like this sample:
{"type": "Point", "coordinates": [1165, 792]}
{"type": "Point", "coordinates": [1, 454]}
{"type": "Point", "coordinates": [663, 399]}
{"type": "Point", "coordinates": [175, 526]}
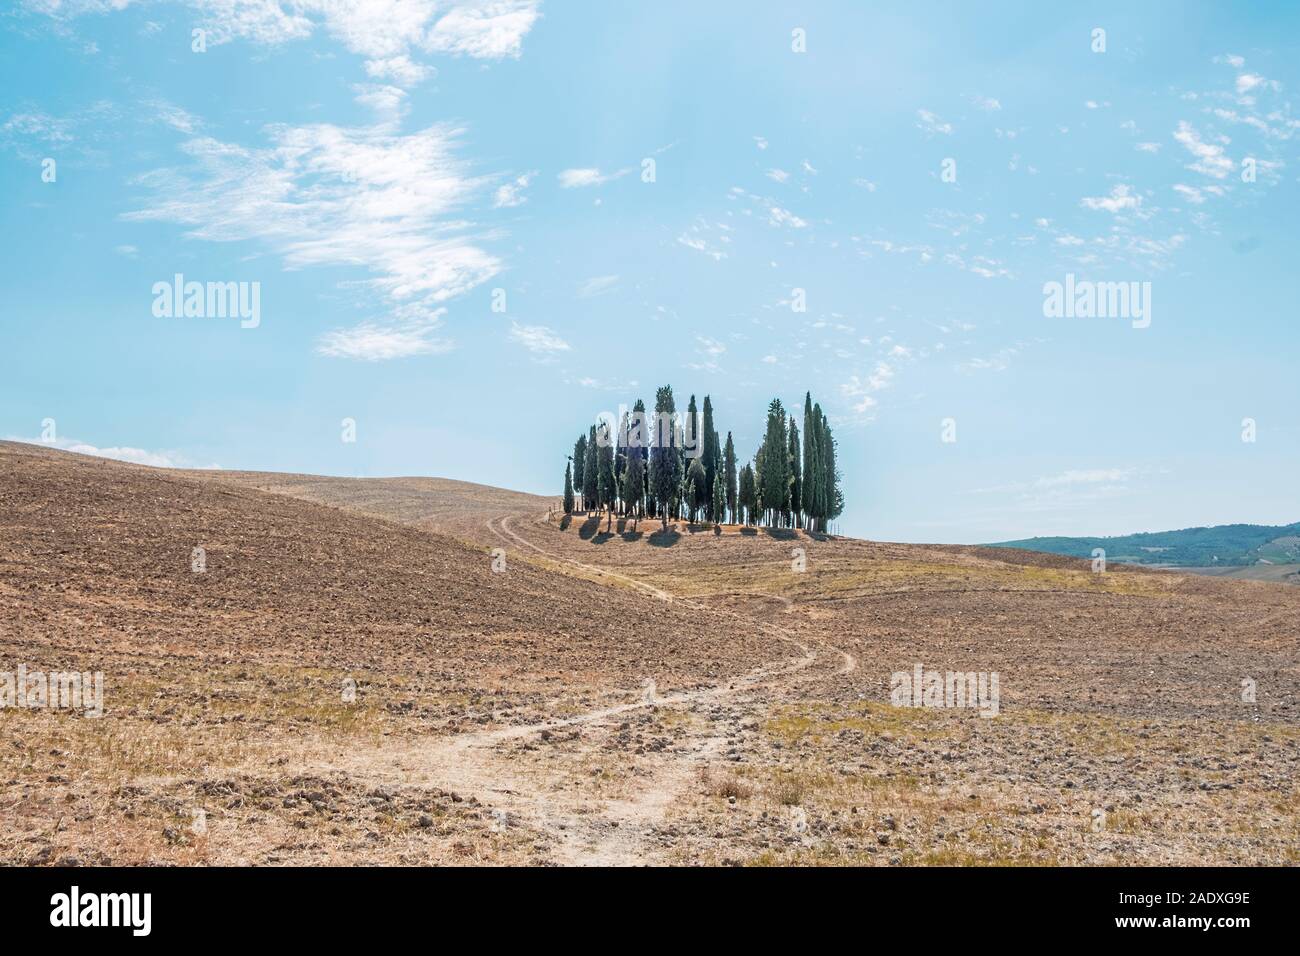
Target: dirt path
{"type": "Point", "coordinates": [580, 827]}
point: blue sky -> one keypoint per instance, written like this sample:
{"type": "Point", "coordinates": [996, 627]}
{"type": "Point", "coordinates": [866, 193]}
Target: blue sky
{"type": "Point", "coordinates": [381, 168]}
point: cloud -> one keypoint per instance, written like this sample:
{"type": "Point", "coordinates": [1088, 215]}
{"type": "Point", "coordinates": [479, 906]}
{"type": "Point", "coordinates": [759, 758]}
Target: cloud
{"type": "Point", "coordinates": [597, 285]}
{"type": "Point", "coordinates": [511, 194]}
{"type": "Point", "coordinates": [388, 102]}
{"type": "Point", "coordinates": [778, 175]}
{"type": "Point", "coordinates": [695, 238]}
{"type": "Point", "coordinates": [999, 361]}
{"type": "Point", "coordinates": [491, 29]}
{"type": "Point", "coordinates": [384, 31]}
{"type": "Point", "coordinates": [783, 217]}
{"type": "Point", "coordinates": [986, 103]}
{"type": "Point", "coordinates": [372, 343]}
{"type": "Point", "coordinates": [1250, 81]}
{"type": "Point", "coordinates": [932, 124]}
{"type": "Point", "coordinates": [575, 178]}
{"type": "Point", "coordinates": [1121, 197]}
{"type": "Point", "coordinates": [136, 456]}
{"type": "Point", "coordinates": [861, 392]}
{"type": "Point", "coordinates": [1210, 158]}
{"type": "Point", "coordinates": [400, 69]}
{"type": "Point", "coordinates": [1066, 481]}
{"type": "Point", "coordinates": [538, 339]}
{"type": "Point", "coordinates": [328, 196]}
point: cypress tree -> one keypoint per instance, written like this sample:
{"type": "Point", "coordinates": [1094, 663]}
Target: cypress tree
{"type": "Point", "coordinates": [579, 460]}
{"type": "Point", "coordinates": [607, 484]}
{"type": "Point", "coordinates": [695, 493]}
{"type": "Point", "coordinates": [796, 480]}
{"type": "Point", "coordinates": [718, 503]}
{"type": "Point", "coordinates": [833, 502]}
{"type": "Point", "coordinates": [620, 460]}
{"type": "Point", "coordinates": [568, 488]}
{"type": "Point", "coordinates": [634, 484]}
{"type": "Point", "coordinates": [712, 453]}
{"type": "Point", "coordinates": [775, 489]}
{"type": "Point", "coordinates": [590, 495]}
{"type": "Point", "coordinates": [665, 462]}
{"type": "Point", "coordinates": [811, 463]}
{"type": "Point", "coordinates": [746, 494]}
{"type": "Point", "coordinates": [729, 459]}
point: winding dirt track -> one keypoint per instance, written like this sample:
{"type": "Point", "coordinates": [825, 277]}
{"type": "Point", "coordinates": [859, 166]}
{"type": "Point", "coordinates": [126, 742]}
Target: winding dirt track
{"type": "Point", "coordinates": [589, 829]}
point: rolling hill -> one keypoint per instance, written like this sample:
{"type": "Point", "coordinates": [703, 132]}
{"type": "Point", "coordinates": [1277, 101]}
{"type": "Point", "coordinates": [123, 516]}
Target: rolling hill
{"type": "Point", "coordinates": [351, 680]}
{"type": "Point", "coordinates": [1229, 545]}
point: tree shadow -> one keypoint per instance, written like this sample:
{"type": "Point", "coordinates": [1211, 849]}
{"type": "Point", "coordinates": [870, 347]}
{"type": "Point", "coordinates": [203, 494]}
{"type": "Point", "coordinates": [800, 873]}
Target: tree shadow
{"type": "Point", "coordinates": [589, 527]}
{"type": "Point", "coordinates": [565, 522]}
{"type": "Point", "coordinates": [632, 535]}
{"type": "Point", "coordinates": [781, 534]}
{"type": "Point", "coordinates": [665, 537]}
{"type": "Point", "coordinates": [602, 537]}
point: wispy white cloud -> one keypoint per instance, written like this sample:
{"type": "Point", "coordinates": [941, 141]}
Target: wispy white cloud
{"type": "Point", "coordinates": [930, 123]}
{"type": "Point", "coordinates": [372, 343]}
{"type": "Point", "coordinates": [538, 339]}
{"type": "Point", "coordinates": [596, 285]}
{"type": "Point", "coordinates": [136, 456]}
{"type": "Point", "coordinates": [329, 196]}
{"type": "Point", "coordinates": [1211, 160]}
{"type": "Point", "coordinates": [511, 194]}
{"type": "Point", "coordinates": [1122, 197]}
{"type": "Point", "coordinates": [590, 176]}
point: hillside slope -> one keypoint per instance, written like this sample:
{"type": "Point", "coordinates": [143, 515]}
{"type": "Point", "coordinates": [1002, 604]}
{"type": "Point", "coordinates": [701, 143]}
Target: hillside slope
{"type": "Point", "coordinates": [618, 695]}
{"type": "Point", "coordinates": [1222, 545]}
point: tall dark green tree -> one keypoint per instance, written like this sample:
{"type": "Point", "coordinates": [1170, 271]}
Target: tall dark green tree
{"type": "Point", "coordinates": [634, 485]}
{"type": "Point", "coordinates": [695, 493]}
{"type": "Point", "coordinates": [568, 488]}
{"type": "Point", "coordinates": [811, 491]}
{"type": "Point", "coordinates": [729, 468]}
{"type": "Point", "coordinates": [718, 501]}
{"type": "Point", "coordinates": [711, 451]}
{"type": "Point", "coordinates": [579, 460]}
{"type": "Point", "coordinates": [832, 496]}
{"type": "Point", "coordinates": [775, 489]}
{"type": "Point", "coordinates": [606, 482]}
{"type": "Point", "coordinates": [665, 461]}
{"type": "Point", "coordinates": [796, 479]}
{"type": "Point", "coordinates": [620, 461]}
{"type": "Point", "coordinates": [590, 487]}
{"type": "Point", "coordinates": [746, 495]}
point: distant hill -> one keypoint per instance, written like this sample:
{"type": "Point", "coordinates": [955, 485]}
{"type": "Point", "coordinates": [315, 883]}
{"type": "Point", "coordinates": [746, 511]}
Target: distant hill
{"type": "Point", "coordinates": [1227, 545]}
